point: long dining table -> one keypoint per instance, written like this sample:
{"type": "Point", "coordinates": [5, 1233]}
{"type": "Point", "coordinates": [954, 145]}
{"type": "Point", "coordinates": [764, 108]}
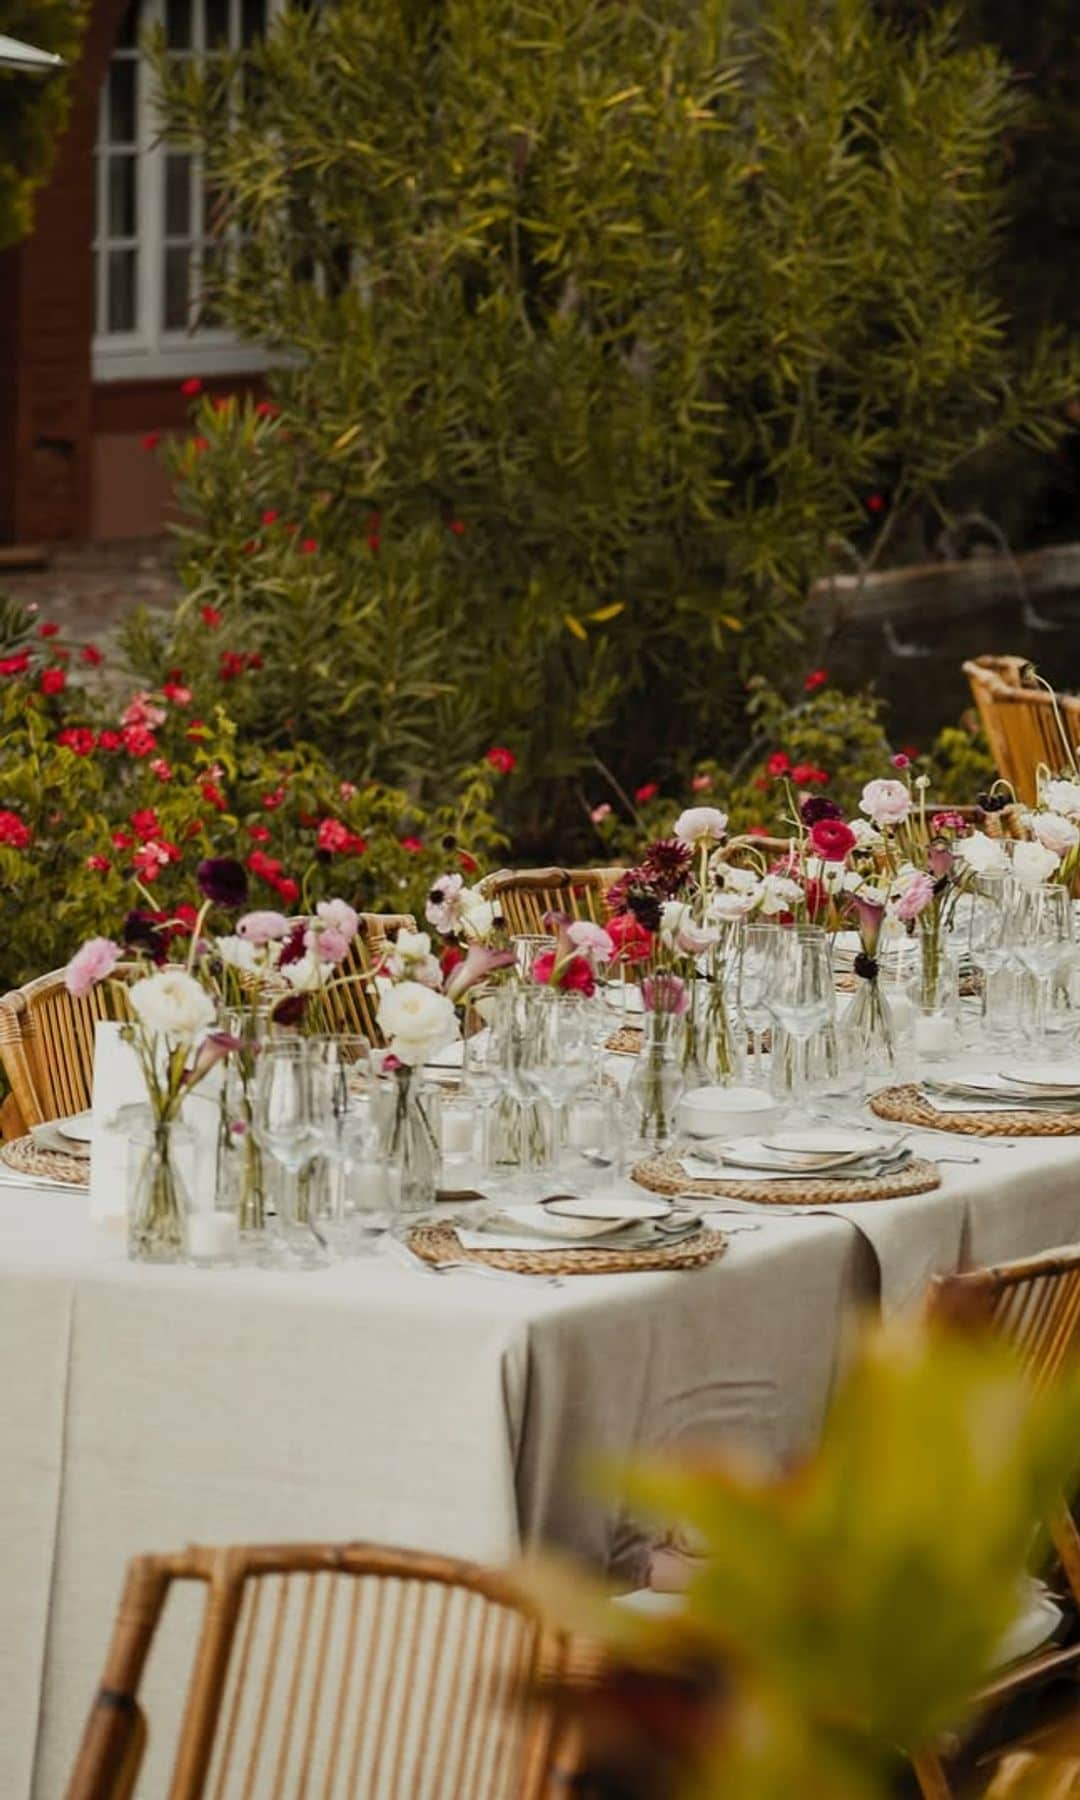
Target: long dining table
{"type": "Point", "coordinates": [146, 1408]}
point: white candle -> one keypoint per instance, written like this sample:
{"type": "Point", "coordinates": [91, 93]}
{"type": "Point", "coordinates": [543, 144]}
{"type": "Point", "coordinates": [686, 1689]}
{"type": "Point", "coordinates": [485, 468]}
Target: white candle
{"type": "Point", "coordinates": [212, 1235]}
{"type": "Point", "coordinates": [458, 1124]}
{"type": "Point", "coordinates": [585, 1126]}
{"type": "Point", "coordinates": [935, 1034]}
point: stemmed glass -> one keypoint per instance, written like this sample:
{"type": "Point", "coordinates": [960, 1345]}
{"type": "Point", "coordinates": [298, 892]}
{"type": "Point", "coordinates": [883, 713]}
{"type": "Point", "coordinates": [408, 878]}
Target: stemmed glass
{"type": "Point", "coordinates": [800, 996]}
{"type": "Point", "coordinates": [752, 983]}
{"type": "Point", "coordinates": [293, 1096]}
{"type": "Point", "coordinates": [564, 1049]}
{"type": "Point", "coordinates": [1041, 924]}
{"type": "Point", "coordinates": [347, 1134]}
{"type": "Point", "coordinates": [990, 948]}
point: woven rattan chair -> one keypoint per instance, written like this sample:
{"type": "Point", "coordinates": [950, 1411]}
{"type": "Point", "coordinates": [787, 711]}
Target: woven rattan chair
{"type": "Point", "coordinates": [1021, 724]}
{"type": "Point", "coordinates": [351, 1008]}
{"type": "Point", "coordinates": [350, 1672]}
{"type": "Point", "coordinates": [1034, 1305]}
{"type": "Point", "coordinates": [524, 896]}
{"type": "Point", "coordinates": [47, 1045]}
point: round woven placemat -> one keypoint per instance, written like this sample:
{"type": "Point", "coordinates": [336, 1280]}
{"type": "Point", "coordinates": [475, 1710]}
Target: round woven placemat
{"type": "Point", "coordinates": [627, 1041]}
{"type": "Point", "coordinates": [664, 1175]}
{"type": "Point", "coordinates": [440, 1243]}
{"type": "Point", "coordinates": [906, 1106]}
{"type": "Point", "coordinates": [23, 1155]}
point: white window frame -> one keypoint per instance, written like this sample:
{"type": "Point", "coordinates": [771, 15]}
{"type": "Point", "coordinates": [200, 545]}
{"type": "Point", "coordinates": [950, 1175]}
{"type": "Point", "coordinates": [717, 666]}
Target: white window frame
{"type": "Point", "coordinates": [150, 351]}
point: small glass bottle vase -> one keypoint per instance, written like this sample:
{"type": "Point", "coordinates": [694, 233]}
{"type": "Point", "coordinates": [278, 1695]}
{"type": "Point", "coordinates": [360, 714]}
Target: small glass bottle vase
{"type": "Point", "coordinates": [657, 1082]}
{"type": "Point", "coordinates": [937, 999]}
{"type": "Point", "coordinates": [410, 1139]}
{"type": "Point", "coordinates": [243, 1177]}
{"type": "Point", "coordinates": [711, 1053]}
{"type": "Point", "coordinates": [870, 1027]}
{"type": "Point", "coordinates": [157, 1195]}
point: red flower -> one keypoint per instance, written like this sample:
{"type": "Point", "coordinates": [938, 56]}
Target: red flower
{"type": "Point", "coordinates": [191, 386]}
{"type": "Point", "coordinates": [122, 840]}
{"type": "Point", "coordinates": [777, 764]}
{"type": "Point", "coordinates": [53, 681]}
{"type": "Point", "coordinates": [816, 679]}
{"type": "Point", "coordinates": [501, 759]}
{"type": "Point", "coordinates": [78, 739]}
{"type": "Point", "coordinates": [98, 864]}
{"type": "Point", "coordinates": [832, 839]}
{"type": "Point", "coordinates": [15, 665]}
{"type": "Point", "coordinates": [578, 977]}
{"type": "Point", "coordinates": [213, 796]}
{"type": "Point", "coordinates": [762, 783]}
{"type": "Point", "coordinates": [48, 630]}
{"type": "Point", "coordinates": [92, 655]}
{"type": "Point", "coordinates": [198, 445]}
{"type": "Point", "coordinates": [251, 548]}
{"type": "Point", "coordinates": [232, 664]}
{"type": "Point", "coordinates": [193, 828]}
{"type": "Point", "coordinates": [161, 769]}
{"type": "Point", "coordinates": [412, 843]}
{"type": "Point", "coordinates": [109, 740]}
{"type": "Point", "coordinates": [756, 831]}
{"type": "Point", "coordinates": [270, 516]}
{"type": "Point", "coordinates": [648, 791]}
{"type": "Point", "coordinates": [260, 834]}
{"type": "Point", "coordinates": [308, 546]}
{"type": "Point", "coordinates": [911, 751]}
{"type": "Point", "coordinates": [288, 889]}
{"type": "Point", "coordinates": [268, 867]}
{"type": "Point", "coordinates": [145, 823]}
{"type": "Point", "coordinates": [335, 837]}
{"type": "Point", "coordinates": [273, 800]}
{"type": "Point", "coordinates": [254, 660]}
{"type": "Point", "coordinates": [153, 856]}
{"type": "Point", "coordinates": [176, 694]}
{"type": "Point", "coordinates": [223, 403]}
{"type": "Point", "coordinates": [13, 831]}
{"type": "Point", "coordinates": [151, 440]}
{"type": "Point", "coordinates": [875, 503]}
{"type": "Point", "coordinates": [265, 410]}
{"type": "Point", "coordinates": [805, 775]}
{"type": "Point", "coordinates": [468, 864]}
{"type": "Point", "coordinates": [373, 542]}
{"type": "Point", "coordinates": [457, 526]}
{"type": "Point", "coordinates": [197, 730]}
{"type": "Point", "coordinates": [138, 741]}
{"type": "Point", "coordinates": [210, 616]}
{"type": "Point", "coordinates": [633, 942]}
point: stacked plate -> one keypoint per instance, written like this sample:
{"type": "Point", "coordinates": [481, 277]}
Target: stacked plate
{"type": "Point", "coordinates": [799, 1155]}
{"type": "Point", "coordinates": [571, 1221]}
{"type": "Point", "coordinates": [71, 1137]}
{"type": "Point", "coordinates": [1048, 1087]}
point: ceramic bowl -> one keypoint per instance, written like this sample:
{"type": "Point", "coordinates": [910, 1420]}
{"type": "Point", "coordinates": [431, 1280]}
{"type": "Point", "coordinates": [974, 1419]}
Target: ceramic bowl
{"type": "Point", "coordinates": [708, 1112]}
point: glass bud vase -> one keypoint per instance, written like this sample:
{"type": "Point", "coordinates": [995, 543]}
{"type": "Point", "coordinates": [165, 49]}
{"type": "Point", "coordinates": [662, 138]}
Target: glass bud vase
{"type": "Point", "coordinates": [410, 1139]}
{"type": "Point", "coordinates": [657, 1082]}
{"type": "Point", "coordinates": [869, 1024]}
{"type": "Point", "coordinates": [243, 1177]}
{"type": "Point", "coordinates": [711, 1053]}
{"type": "Point", "coordinates": [158, 1201]}
{"type": "Point", "coordinates": [937, 999]}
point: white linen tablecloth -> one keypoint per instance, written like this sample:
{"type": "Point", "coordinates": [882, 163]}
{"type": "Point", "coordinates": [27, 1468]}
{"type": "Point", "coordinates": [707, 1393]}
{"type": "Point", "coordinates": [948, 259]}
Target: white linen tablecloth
{"type": "Point", "coordinates": [143, 1408]}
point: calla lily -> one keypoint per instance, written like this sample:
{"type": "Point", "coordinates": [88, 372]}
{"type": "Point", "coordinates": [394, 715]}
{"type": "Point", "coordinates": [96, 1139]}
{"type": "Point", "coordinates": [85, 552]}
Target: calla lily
{"type": "Point", "coordinates": [869, 909]}
{"type": "Point", "coordinates": [479, 962]}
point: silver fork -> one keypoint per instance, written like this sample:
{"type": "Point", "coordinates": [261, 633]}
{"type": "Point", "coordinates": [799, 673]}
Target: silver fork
{"type": "Point", "coordinates": [408, 1259]}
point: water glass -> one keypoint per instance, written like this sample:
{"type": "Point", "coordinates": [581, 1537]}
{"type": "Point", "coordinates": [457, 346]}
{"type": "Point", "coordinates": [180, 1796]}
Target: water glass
{"type": "Point", "coordinates": [1041, 927]}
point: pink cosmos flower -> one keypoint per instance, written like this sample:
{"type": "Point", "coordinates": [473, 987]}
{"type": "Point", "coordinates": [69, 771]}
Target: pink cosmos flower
{"type": "Point", "coordinates": [886, 802]}
{"type": "Point", "coordinates": [915, 898]}
{"type": "Point", "coordinates": [263, 927]}
{"type": "Point", "coordinates": [96, 959]}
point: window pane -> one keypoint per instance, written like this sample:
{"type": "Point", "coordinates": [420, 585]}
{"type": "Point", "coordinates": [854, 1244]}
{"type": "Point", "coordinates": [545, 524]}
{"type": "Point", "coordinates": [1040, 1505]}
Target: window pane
{"type": "Point", "coordinates": [217, 23]}
{"type": "Point", "coordinates": [177, 288]}
{"type": "Point", "coordinates": [177, 196]}
{"type": "Point", "coordinates": [122, 101]}
{"type": "Point", "coordinates": [213, 269]}
{"type": "Point", "coordinates": [120, 302]}
{"type": "Point", "coordinates": [252, 19]}
{"type": "Point", "coordinates": [99, 321]}
{"type": "Point", "coordinates": [121, 196]}
{"type": "Point", "coordinates": [128, 35]}
{"type": "Point", "coordinates": [178, 24]}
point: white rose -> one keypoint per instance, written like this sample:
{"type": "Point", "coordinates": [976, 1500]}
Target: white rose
{"type": "Point", "coordinates": [1055, 832]}
{"type": "Point", "coordinates": [417, 1022]}
{"type": "Point", "coordinates": [983, 855]}
{"type": "Point", "coordinates": [172, 1004]}
{"type": "Point", "coordinates": [701, 824]}
{"type": "Point", "coordinates": [1032, 864]}
{"type": "Point", "coordinates": [1061, 797]}
{"type": "Point", "coordinates": [239, 953]}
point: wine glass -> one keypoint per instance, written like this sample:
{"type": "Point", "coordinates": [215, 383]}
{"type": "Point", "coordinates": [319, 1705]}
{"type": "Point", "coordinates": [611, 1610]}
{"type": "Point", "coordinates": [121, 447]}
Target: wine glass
{"type": "Point", "coordinates": [347, 1133]}
{"type": "Point", "coordinates": [1041, 923]}
{"type": "Point", "coordinates": [752, 981]}
{"type": "Point", "coordinates": [293, 1096]}
{"type": "Point", "coordinates": [800, 997]}
{"type": "Point", "coordinates": [564, 1048]}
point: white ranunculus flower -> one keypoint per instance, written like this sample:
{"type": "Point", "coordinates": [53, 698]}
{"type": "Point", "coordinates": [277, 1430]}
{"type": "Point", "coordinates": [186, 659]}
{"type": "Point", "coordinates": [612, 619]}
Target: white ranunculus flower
{"type": "Point", "coordinates": [674, 914]}
{"type": "Point", "coordinates": [701, 824]}
{"type": "Point", "coordinates": [239, 953]}
{"type": "Point", "coordinates": [867, 836]}
{"type": "Point", "coordinates": [477, 914]}
{"type": "Point", "coordinates": [729, 907]}
{"type": "Point", "coordinates": [1032, 864]}
{"type": "Point", "coordinates": [778, 894]}
{"type": "Point", "coordinates": [739, 881]}
{"type": "Point", "coordinates": [1061, 797]}
{"type": "Point", "coordinates": [983, 855]}
{"type": "Point", "coordinates": [1055, 832]}
{"type": "Point", "coordinates": [307, 974]}
{"type": "Point", "coordinates": [416, 1022]}
{"type": "Point", "coordinates": [172, 1004]}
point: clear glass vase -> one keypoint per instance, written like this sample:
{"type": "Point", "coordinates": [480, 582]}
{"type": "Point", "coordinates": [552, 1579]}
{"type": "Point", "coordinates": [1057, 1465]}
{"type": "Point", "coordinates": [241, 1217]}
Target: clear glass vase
{"type": "Point", "coordinates": [870, 1025]}
{"type": "Point", "coordinates": [657, 1082]}
{"type": "Point", "coordinates": [243, 1177]}
{"type": "Point", "coordinates": [937, 998]}
{"type": "Point", "coordinates": [410, 1139]}
{"type": "Point", "coordinates": [158, 1200]}
{"type": "Point", "coordinates": [711, 1053]}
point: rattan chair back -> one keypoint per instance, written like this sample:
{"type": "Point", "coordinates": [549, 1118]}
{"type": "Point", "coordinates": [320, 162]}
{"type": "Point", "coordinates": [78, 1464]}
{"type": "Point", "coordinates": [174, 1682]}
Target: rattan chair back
{"type": "Point", "coordinates": [47, 1045]}
{"type": "Point", "coordinates": [347, 1672]}
{"type": "Point", "coordinates": [351, 1004]}
{"type": "Point", "coordinates": [525, 896]}
{"type": "Point", "coordinates": [1023, 728]}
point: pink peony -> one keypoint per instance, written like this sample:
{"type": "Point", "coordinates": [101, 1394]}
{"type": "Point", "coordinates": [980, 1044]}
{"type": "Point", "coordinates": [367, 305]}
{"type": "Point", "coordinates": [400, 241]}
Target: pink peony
{"type": "Point", "coordinates": [915, 898]}
{"type": "Point", "coordinates": [1054, 832]}
{"type": "Point", "coordinates": [886, 802]}
{"type": "Point", "coordinates": [263, 927]}
{"type": "Point", "coordinates": [97, 958]}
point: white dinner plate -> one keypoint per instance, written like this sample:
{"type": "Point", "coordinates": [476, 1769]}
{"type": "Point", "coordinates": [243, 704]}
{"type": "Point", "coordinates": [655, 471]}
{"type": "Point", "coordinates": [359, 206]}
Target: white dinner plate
{"type": "Point", "coordinates": [48, 1137]}
{"type": "Point", "coordinates": [80, 1128]}
{"type": "Point", "coordinates": [539, 1220]}
{"type": "Point", "coordinates": [823, 1140]}
{"type": "Point", "coordinates": [601, 1207]}
{"type": "Point", "coordinates": [1059, 1077]}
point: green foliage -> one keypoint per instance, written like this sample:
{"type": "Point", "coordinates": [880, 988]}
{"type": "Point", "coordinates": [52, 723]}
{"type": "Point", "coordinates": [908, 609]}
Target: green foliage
{"type": "Point", "coordinates": [95, 826]}
{"type": "Point", "coordinates": [32, 108]}
{"type": "Point", "coordinates": [855, 1607]}
{"type": "Point", "coordinates": [595, 324]}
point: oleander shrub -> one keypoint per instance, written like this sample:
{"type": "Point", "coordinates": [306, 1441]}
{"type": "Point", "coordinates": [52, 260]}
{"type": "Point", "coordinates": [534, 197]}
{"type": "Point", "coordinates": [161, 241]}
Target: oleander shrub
{"type": "Point", "coordinates": [33, 108]}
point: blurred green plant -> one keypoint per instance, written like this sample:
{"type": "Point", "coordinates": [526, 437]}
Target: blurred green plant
{"type": "Point", "coordinates": [597, 329]}
{"type": "Point", "coordinates": [852, 1609]}
{"type": "Point", "coordinates": [32, 108]}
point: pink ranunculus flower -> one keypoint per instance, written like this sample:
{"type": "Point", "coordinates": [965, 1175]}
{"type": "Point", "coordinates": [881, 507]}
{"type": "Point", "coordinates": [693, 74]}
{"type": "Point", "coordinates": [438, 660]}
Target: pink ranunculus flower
{"type": "Point", "coordinates": [1054, 832]}
{"type": "Point", "coordinates": [330, 945]}
{"type": "Point", "coordinates": [593, 939]}
{"type": "Point", "coordinates": [886, 802]}
{"type": "Point", "coordinates": [915, 898]}
{"type": "Point", "coordinates": [339, 916]}
{"type": "Point", "coordinates": [701, 824]}
{"type": "Point", "coordinates": [263, 927]}
{"type": "Point", "coordinates": [96, 959]}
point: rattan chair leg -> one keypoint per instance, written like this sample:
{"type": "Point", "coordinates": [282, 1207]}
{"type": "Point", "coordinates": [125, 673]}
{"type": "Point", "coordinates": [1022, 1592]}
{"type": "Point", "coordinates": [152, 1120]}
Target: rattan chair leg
{"type": "Point", "coordinates": [115, 1736]}
{"type": "Point", "coordinates": [931, 1777]}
